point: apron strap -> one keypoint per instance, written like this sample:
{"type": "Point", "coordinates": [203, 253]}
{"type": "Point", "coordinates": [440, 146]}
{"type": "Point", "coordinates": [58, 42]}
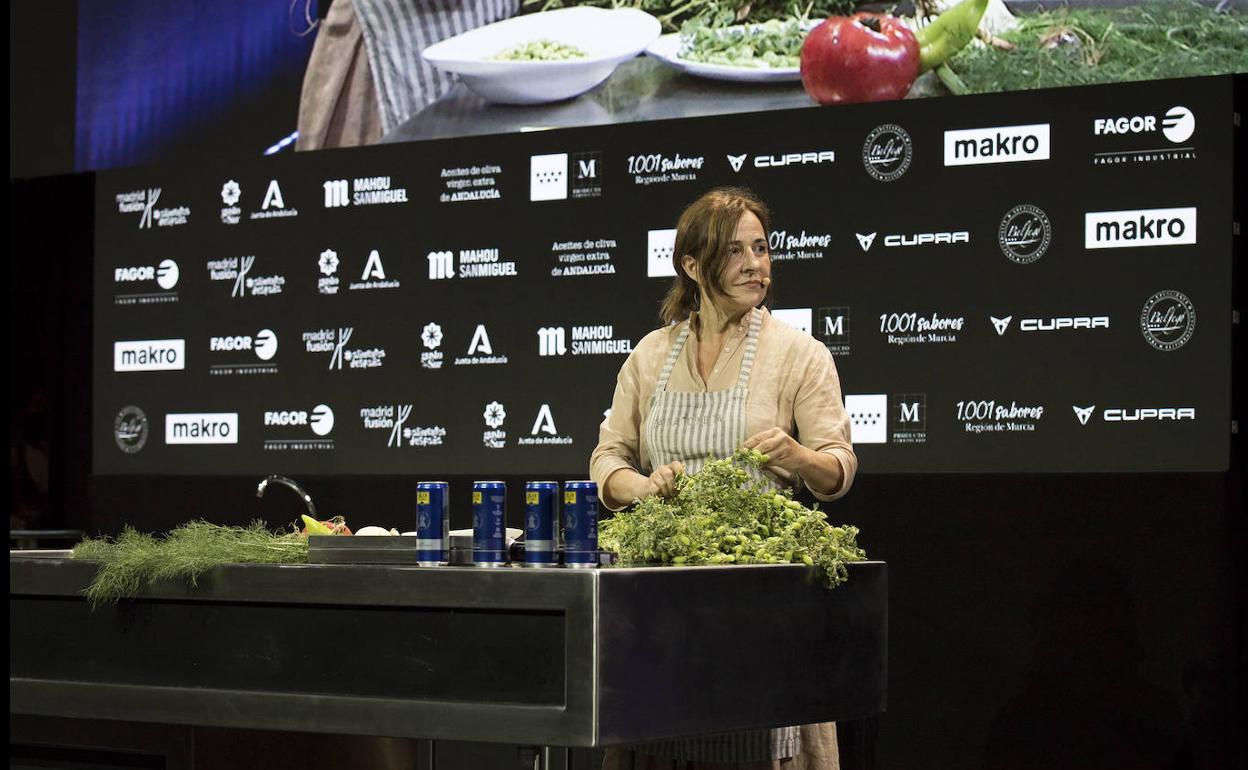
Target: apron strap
{"type": "Point", "coordinates": [751, 347]}
{"type": "Point", "coordinates": [672, 354]}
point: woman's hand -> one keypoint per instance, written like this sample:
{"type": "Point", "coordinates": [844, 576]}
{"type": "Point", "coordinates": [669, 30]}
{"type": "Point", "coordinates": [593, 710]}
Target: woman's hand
{"type": "Point", "coordinates": [782, 450]}
{"type": "Point", "coordinates": [625, 486]}
{"type": "Point", "coordinates": [664, 479]}
{"type": "Point", "coordinates": [789, 461]}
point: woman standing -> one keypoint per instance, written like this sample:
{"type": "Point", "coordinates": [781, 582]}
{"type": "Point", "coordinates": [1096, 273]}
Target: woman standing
{"type": "Point", "coordinates": [723, 374]}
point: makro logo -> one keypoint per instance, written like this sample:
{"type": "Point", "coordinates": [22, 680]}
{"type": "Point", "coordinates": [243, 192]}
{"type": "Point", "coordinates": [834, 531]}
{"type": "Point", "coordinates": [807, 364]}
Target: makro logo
{"type": "Point", "coordinates": [1024, 234]}
{"type": "Point", "coordinates": [1178, 125]}
{"type": "Point", "coordinates": [165, 274]}
{"type": "Point", "coordinates": [800, 318]}
{"type": "Point", "coordinates": [202, 428]}
{"type": "Point", "coordinates": [659, 247]}
{"type": "Point", "coordinates": [868, 418]}
{"type": "Point", "coordinates": [1149, 413]}
{"type": "Point", "coordinates": [320, 419]}
{"type": "Point", "coordinates": [1139, 227]}
{"type": "Point", "coordinates": [548, 177]}
{"type": "Point", "coordinates": [149, 356]}
{"type": "Point", "coordinates": [1003, 144]}
{"type": "Point", "coordinates": [1168, 320]}
{"type": "Point", "coordinates": [887, 152]}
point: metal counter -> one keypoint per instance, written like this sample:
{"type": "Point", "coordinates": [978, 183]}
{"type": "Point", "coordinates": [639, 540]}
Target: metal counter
{"type": "Point", "coordinates": [580, 658]}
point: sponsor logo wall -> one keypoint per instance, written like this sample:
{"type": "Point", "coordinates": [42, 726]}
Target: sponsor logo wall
{"type": "Point", "coordinates": [1003, 289]}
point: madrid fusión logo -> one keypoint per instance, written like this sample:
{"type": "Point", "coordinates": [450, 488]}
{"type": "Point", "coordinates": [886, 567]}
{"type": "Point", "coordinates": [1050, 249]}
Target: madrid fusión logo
{"type": "Point", "coordinates": [1168, 320]}
{"type": "Point", "coordinates": [1024, 234]}
{"type": "Point", "coordinates": [130, 429]}
{"type": "Point", "coordinates": [887, 152]}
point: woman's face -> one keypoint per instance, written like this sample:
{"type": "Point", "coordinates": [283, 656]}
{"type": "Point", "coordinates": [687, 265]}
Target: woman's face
{"type": "Point", "coordinates": [748, 263]}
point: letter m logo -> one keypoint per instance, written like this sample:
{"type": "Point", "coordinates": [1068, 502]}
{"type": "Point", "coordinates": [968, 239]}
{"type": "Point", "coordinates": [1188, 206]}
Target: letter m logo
{"type": "Point", "coordinates": [550, 341]}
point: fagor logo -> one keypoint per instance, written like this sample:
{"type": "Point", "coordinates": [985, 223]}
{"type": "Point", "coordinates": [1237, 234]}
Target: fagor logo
{"type": "Point", "coordinates": [264, 344]}
{"type": "Point", "coordinates": [202, 428]}
{"type": "Point", "coordinates": [320, 419]}
{"type": "Point", "coordinates": [1139, 227]}
{"type": "Point", "coordinates": [165, 274]}
{"type": "Point", "coordinates": [149, 356]}
{"type": "Point", "coordinates": [1004, 144]}
{"type": "Point", "coordinates": [659, 247]}
{"type": "Point", "coordinates": [1178, 125]}
{"type": "Point", "coordinates": [548, 177]}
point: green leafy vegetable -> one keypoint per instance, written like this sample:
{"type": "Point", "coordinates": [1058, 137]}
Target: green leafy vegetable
{"type": "Point", "coordinates": [540, 50]}
{"type": "Point", "coordinates": [135, 560]}
{"type": "Point", "coordinates": [721, 515]}
{"type": "Point", "coordinates": [716, 13]}
{"type": "Point", "coordinates": [1069, 47]}
{"type": "Point", "coordinates": [771, 44]}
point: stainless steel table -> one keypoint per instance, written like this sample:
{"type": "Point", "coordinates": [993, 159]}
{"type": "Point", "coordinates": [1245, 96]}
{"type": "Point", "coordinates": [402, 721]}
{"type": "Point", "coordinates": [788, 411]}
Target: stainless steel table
{"type": "Point", "coordinates": [577, 658]}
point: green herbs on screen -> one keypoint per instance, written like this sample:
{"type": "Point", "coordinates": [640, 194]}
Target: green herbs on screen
{"type": "Point", "coordinates": [134, 560]}
{"type": "Point", "coordinates": [772, 44]}
{"type": "Point", "coordinates": [721, 515]}
{"type": "Point", "coordinates": [540, 50]}
{"type": "Point", "coordinates": [1072, 47]}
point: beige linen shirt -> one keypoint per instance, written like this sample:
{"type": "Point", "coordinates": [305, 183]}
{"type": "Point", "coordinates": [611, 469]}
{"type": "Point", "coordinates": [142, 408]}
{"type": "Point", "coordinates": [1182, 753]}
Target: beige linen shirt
{"type": "Point", "coordinates": [793, 386]}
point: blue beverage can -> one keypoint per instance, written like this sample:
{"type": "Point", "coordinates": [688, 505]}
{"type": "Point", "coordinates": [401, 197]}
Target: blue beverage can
{"type": "Point", "coordinates": [489, 535]}
{"type": "Point", "coordinates": [433, 523]}
{"type": "Point", "coordinates": [580, 524]}
{"type": "Point", "coordinates": [541, 511]}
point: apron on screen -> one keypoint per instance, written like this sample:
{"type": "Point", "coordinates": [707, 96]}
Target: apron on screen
{"type": "Point", "coordinates": [688, 427]}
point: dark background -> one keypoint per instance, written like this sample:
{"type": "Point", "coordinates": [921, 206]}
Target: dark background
{"type": "Point", "coordinates": [1036, 620]}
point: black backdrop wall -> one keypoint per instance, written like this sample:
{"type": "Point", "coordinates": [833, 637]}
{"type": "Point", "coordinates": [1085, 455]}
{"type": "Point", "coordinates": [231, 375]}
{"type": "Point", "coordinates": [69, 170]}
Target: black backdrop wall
{"type": "Point", "coordinates": [1059, 620]}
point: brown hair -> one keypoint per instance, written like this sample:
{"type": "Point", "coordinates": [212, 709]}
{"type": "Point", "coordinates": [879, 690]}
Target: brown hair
{"type": "Point", "coordinates": [704, 231]}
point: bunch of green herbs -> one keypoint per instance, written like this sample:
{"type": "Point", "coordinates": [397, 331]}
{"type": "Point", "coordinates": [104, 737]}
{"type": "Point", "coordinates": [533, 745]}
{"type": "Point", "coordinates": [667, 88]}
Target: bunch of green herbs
{"type": "Point", "coordinates": [721, 515]}
{"type": "Point", "coordinates": [769, 44]}
{"type": "Point", "coordinates": [714, 13]}
{"type": "Point", "coordinates": [1070, 47]}
{"type": "Point", "coordinates": [135, 560]}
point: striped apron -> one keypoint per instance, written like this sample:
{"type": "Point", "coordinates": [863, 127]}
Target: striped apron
{"type": "Point", "coordinates": [689, 427]}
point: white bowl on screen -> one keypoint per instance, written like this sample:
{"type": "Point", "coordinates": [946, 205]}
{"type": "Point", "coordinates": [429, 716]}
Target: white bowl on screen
{"type": "Point", "coordinates": [607, 36]}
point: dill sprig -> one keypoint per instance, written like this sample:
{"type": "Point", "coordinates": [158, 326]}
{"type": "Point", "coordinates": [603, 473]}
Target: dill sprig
{"type": "Point", "coordinates": [1069, 47]}
{"type": "Point", "coordinates": [721, 515]}
{"type": "Point", "coordinates": [135, 560]}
